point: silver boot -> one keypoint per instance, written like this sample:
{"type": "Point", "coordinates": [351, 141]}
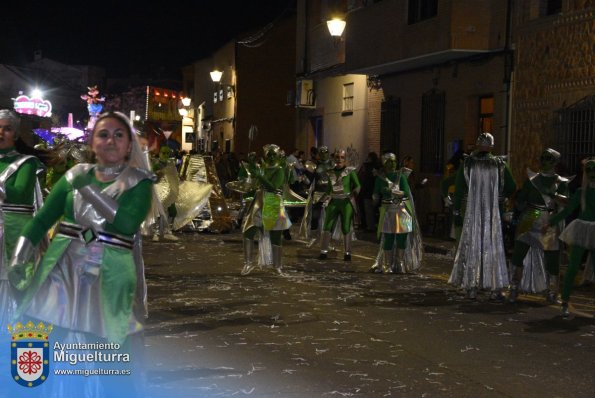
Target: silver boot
{"type": "Point", "coordinates": [553, 287]}
{"type": "Point", "coordinates": [376, 268]}
{"type": "Point", "coordinates": [325, 241]}
{"type": "Point", "coordinates": [398, 265]}
{"type": "Point", "coordinates": [387, 264]}
{"type": "Point", "coordinates": [347, 246]}
{"type": "Point", "coordinates": [248, 250]}
{"type": "Point", "coordinates": [515, 282]}
{"type": "Point", "coordinates": [277, 259]}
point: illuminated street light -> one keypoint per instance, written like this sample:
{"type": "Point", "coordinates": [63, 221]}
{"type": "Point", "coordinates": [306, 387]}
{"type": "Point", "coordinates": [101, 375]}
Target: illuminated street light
{"type": "Point", "coordinates": [216, 76]}
{"type": "Point", "coordinates": [336, 27]}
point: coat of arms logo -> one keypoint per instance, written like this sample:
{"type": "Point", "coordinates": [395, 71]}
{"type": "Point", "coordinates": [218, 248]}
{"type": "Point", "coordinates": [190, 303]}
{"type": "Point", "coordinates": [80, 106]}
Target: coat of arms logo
{"type": "Point", "coordinates": [30, 353]}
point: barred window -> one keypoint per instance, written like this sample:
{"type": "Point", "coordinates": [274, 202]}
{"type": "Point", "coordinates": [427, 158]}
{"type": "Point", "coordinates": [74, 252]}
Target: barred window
{"type": "Point", "coordinates": [574, 128]}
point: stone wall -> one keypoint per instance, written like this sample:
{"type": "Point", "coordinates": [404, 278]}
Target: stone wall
{"type": "Point", "coordinates": [554, 68]}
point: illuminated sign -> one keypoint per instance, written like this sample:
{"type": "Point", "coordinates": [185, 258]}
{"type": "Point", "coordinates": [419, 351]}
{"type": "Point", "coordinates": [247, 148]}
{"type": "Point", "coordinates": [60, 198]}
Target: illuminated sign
{"type": "Point", "coordinates": [33, 106]}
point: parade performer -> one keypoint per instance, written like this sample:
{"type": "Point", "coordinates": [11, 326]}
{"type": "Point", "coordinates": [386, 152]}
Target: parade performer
{"type": "Point", "coordinates": [20, 197]}
{"type": "Point", "coordinates": [267, 214]}
{"type": "Point", "coordinates": [538, 198]}
{"type": "Point", "coordinates": [579, 235]}
{"type": "Point", "coordinates": [167, 190]}
{"type": "Point", "coordinates": [482, 184]}
{"type": "Point", "coordinates": [342, 189]}
{"type": "Point", "coordinates": [89, 284]}
{"type": "Point", "coordinates": [396, 223]}
{"type": "Point", "coordinates": [245, 184]}
{"type": "Point", "coordinates": [314, 212]}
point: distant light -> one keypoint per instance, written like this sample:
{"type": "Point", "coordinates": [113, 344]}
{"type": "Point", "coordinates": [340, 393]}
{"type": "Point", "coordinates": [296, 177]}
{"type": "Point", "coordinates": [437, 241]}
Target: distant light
{"type": "Point", "coordinates": [219, 208]}
{"type": "Point", "coordinates": [183, 112]}
{"type": "Point", "coordinates": [216, 76]}
{"type": "Point", "coordinates": [186, 101]}
{"type": "Point", "coordinates": [336, 27]}
{"type": "Point", "coordinates": [36, 93]}
{"type": "Point", "coordinates": [137, 118]}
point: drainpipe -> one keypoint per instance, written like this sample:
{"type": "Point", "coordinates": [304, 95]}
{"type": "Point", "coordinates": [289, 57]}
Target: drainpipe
{"type": "Point", "coordinates": [508, 77]}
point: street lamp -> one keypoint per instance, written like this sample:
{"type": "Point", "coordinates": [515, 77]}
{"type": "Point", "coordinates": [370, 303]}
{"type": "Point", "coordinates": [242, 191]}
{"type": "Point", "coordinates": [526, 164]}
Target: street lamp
{"type": "Point", "coordinates": [216, 76]}
{"type": "Point", "coordinates": [188, 121]}
{"type": "Point", "coordinates": [336, 27]}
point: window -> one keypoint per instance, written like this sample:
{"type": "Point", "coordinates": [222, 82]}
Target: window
{"type": "Point", "coordinates": [486, 114]}
{"type": "Point", "coordinates": [574, 130]}
{"type": "Point", "coordinates": [347, 99]}
{"type": "Point", "coordinates": [551, 7]}
{"type": "Point", "coordinates": [420, 10]}
{"type": "Point", "coordinates": [390, 125]}
{"type": "Point", "coordinates": [432, 131]}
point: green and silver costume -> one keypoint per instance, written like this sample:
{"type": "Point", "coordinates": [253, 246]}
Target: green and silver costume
{"type": "Point", "coordinates": [87, 280]}
{"type": "Point", "coordinates": [20, 197]}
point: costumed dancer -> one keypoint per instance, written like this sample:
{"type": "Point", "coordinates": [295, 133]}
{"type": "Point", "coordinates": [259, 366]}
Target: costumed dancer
{"type": "Point", "coordinates": [397, 220]}
{"type": "Point", "coordinates": [538, 198]}
{"type": "Point", "coordinates": [314, 213]}
{"type": "Point", "coordinates": [89, 284]}
{"type": "Point", "coordinates": [20, 197]}
{"type": "Point", "coordinates": [267, 214]}
{"type": "Point", "coordinates": [245, 183]}
{"type": "Point", "coordinates": [481, 186]}
{"type": "Point", "coordinates": [342, 189]}
{"type": "Point", "coordinates": [166, 193]}
{"type": "Point", "coordinates": [579, 235]}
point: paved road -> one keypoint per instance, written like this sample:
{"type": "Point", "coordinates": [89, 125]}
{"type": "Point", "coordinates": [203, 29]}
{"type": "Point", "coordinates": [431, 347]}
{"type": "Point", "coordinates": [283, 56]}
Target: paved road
{"type": "Point", "coordinates": [330, 329]}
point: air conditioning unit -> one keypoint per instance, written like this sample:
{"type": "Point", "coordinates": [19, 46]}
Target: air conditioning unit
{"type": "Point", "coordinates": [304, 93]}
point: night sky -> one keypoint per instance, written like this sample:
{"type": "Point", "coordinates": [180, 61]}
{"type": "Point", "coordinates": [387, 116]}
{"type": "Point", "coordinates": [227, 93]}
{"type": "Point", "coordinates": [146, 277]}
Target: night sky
{"type": "Point", "coordinates": [129, 37]}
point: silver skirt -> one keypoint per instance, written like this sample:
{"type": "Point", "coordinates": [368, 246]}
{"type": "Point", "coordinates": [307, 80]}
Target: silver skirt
{"type": "Point", "coordinates": [580, 233]}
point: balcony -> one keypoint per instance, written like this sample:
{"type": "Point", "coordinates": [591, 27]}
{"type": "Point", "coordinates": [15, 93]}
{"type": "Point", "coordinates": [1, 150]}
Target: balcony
{"type": "Point", "coordinates": [380, 39]}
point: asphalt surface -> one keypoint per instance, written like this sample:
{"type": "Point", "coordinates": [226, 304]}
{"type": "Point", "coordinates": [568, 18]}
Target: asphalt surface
{"type": "Point", "coordinates": [331, 329]}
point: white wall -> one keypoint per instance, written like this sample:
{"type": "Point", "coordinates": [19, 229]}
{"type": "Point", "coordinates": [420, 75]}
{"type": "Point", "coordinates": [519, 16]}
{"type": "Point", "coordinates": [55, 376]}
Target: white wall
{"type": "Point", "coordinates": [342, 131]}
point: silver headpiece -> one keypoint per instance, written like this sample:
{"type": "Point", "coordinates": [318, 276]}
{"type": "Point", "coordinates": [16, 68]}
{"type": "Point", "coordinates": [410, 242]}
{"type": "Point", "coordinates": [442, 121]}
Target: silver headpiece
{"type": "Point", "coordinates": [485, 139]}
{"type": "Point", "coordinates": [389, 156]}
{"type": "Point", "coordinates": [552, 152]}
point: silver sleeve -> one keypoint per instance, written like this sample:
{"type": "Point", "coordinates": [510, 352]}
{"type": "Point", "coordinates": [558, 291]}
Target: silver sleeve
{"type": "Point", "coordinates": [105, 205]}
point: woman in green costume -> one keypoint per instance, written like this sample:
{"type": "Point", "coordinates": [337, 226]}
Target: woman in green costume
{"type": "Point", "coordinates": [536, 254]}
{"type": "Point", "coordinates": [579, 235]}
{"type": "Point", "coordinates": [267, 214]}
{"type": "Point", "coordinates": [391, 189]}
{"type": "Point", "coordinates": [88, 283]}
{"type": "Point", "coordinates": [19, 197]}
{"type": "Point", "coordinates": [342, 188]}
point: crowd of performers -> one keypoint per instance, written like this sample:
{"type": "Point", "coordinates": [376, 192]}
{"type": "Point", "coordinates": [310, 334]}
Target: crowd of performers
{"type": "Point", "coordinates": [483, 191]}
{"type": "Point", "coordinates": [89, 282]}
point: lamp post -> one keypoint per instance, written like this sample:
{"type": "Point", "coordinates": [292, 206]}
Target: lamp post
{"type": "Point", "coordinates": [225, 109]}
{"type": "Point", "coordinates": [186, 110]}
{"type": "Point", "coordinates": [336, 26]}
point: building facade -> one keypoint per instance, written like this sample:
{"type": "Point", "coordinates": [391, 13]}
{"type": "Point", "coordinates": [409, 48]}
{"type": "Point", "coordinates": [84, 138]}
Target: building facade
{"type": "Point", "coordinates": [433, 74]}
{"type": "Point", "coordinates": [554, 83]}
